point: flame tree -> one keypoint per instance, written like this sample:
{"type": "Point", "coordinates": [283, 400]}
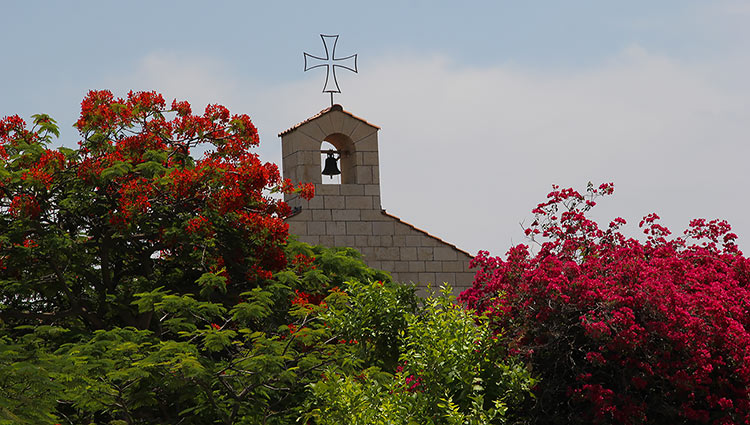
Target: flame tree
{"type": "Point", "coordinates": [128, 268]}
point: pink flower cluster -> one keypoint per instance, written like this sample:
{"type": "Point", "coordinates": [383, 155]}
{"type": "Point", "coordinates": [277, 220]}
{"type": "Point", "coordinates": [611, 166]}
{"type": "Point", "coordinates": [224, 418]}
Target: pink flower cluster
{"type": "Point", "coordinates": [621, 330]}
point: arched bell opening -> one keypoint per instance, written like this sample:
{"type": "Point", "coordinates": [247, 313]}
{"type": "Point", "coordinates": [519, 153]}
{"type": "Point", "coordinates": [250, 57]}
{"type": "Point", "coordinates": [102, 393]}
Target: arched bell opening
{"type": "Point", "coordinates": [343, 147]}
{"type": "Point", "coordinates": [329, 164]}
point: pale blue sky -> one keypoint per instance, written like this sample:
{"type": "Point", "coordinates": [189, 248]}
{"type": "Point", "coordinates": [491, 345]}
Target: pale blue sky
{"type": "Point", "coordinates": [652, 95]}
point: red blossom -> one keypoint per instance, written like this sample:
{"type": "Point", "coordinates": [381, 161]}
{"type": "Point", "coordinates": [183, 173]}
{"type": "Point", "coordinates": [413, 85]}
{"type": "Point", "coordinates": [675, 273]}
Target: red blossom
{"type": "Point", "coordinates": [24, 205]}
{"type": "Point", "coordinates": [182, 108]}
{"type": "Point", "coordinates": [303, 299]}
{"type": "Point", "coordinates": [43, 170]}
{"type": "Point", "coordinates": [198, 225]}
{"type": "Point", "coordinates": [307, 191]}
{"type": "Point", "coordinates": [302, 263]}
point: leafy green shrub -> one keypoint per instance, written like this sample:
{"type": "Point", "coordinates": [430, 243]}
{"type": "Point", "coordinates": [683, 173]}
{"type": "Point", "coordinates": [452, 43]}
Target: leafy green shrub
{"type": "Point", "coordinates": [447, 371]}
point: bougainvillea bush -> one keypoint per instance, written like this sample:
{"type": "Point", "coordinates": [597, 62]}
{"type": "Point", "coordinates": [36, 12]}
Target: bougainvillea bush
{"type": "Point", "coordinates": [621, 330]}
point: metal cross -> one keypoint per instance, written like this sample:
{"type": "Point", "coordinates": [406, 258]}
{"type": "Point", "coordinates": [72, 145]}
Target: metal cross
{"type": "Point", "coordinates": [331, 62]}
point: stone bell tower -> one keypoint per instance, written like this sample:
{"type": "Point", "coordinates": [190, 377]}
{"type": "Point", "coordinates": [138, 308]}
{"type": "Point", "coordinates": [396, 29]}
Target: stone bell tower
{"type": "Point", "coordinates": [355, 140]}
{"type": "Point", "coordinates": [350, 213]}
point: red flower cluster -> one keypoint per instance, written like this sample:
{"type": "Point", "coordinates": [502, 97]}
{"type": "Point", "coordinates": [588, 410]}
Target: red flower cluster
{"type": "Point", "coordinates": [302, 298]}
{"type": "Point", "coordinates": [302, 263]}
{"type": "Point", "coordinates": [12, 131]}
{"type": "Point", "coordinates": [229, 182]}
{"type": "Point", "coordinates": [24, 205]}
{"type": "Point", "coordinates": [43, 170]}
{"type": "Point", "coordinates": [134, 196]}
{"type": "Point", "coordinates": [133, 170]}
{"type": "Point", "coordinates": [413, 382]}
{"type": "Point", "coordinates": [199, 225]}
{"type": "Point", "coordinates": [624, 331]}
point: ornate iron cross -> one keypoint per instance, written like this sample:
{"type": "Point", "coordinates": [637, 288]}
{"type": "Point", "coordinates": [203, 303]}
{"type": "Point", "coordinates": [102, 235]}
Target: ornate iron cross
{"type": "Point", "coordinates": [331, 62]}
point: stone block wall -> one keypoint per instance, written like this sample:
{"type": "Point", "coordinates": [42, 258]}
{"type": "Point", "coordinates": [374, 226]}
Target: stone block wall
{"type": "Point", "coordinates": [344, 215]}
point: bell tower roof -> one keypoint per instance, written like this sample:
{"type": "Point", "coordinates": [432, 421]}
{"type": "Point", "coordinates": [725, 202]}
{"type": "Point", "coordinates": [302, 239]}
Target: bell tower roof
{"type": "Point", "coordinates": [334, 108]}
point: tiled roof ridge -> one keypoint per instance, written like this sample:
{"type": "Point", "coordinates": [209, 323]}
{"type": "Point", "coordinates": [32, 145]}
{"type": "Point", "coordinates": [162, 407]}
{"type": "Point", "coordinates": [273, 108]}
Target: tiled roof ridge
{"type": "Point", "coordinates": [425, 232]}
{"type": "Point", "coordinates": [332, 108]}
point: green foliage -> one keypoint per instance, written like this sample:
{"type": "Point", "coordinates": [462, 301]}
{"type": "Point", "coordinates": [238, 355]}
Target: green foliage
{"type": "Point", "coordinates": [203, 362]}
{"type": "Point", "coordinates": [27, 384]}
{"type": "Point", "coordinates": [448, 372]}
{"type": "Point", "coordinates": [375, 317]}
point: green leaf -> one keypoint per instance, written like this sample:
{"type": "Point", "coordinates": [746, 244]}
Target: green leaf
{"type": "Point", "coordinates": [145, 301]}
{"type": "Point", "coordinates": [211, 281]}
{"type": "Point", "coordinates": [257, 306]}
{"type": "Point", "coordinates": [46, 123]}
{"type": "Point", "coordinates": [150, 169]}
{"type": "Point", "coordinates": [117, 169]}
{"type": "Point", "coordinates": [217, 340]}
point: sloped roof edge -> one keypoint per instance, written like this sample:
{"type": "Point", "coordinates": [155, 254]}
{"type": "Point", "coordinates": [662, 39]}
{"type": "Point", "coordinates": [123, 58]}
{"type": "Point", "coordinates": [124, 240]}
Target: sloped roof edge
{"type": "Point", "coordinates": [335, 107]}
{"type": "Point", "coordinates": [295, 212]}
{"type": "Point", "coordinates": [426, 233]}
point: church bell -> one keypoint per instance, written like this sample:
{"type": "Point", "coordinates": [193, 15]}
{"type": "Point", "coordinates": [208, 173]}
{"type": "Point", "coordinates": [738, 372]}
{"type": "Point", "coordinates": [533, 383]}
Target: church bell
{"type": "Point", "coordinates": [331, 168]}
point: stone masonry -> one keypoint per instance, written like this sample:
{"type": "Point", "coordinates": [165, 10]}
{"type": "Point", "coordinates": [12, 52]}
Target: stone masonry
{"type": "Point", "coordinates": [350, 213]}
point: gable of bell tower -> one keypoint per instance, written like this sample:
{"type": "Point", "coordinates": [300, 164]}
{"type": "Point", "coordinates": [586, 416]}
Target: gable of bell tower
{"type": "Point", "coordinates": [355, 139]}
